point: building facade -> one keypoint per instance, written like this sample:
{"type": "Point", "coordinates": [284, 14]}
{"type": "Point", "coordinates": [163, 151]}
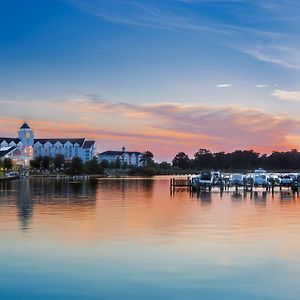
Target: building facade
{"type": "Point", "coordinates": [132, 158]}
{"type": "Point", "coordinates": [31, 148]}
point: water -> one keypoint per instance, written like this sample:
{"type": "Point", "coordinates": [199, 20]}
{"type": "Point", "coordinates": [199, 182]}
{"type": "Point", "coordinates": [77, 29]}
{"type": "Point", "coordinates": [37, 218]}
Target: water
{"type": "Point", "coordinates": [131, 239]}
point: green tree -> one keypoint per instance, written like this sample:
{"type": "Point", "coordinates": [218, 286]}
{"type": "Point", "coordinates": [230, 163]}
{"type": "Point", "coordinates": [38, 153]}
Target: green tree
{"type": "Point", "coordinates": [204, 159]}
{"type": "Point", "coordinates": [181, 160]}
{"type": "Point", "coordinates": [104, 164]}
{"type": "Point", "coordinates": [1, 165]}
{"type": "Point", "coordinates": [76, 167]}
{"type": "Point", "coordinates": [7, 164]}
{"type": "Point", "coordinates": [118, 163]}
{"type": "Point", "coordinates": [147, 158]}
{"type": "Point", "coordinates": [59, 161]}
{"type": "Point", "coordinates": [47, 163]}
{"type": "Point", "coordinates": [92, 166]}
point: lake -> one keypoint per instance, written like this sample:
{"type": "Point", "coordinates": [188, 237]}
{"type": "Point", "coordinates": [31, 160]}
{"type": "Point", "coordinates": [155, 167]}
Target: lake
{"type": "Point", "coordinates": [133, 239]}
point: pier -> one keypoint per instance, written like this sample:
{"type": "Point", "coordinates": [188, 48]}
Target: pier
{"type": "Point", "coordinates": [224, 185]}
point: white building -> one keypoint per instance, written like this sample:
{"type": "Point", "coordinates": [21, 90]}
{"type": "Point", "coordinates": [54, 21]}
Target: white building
{"type": "Point", "coordinates": [32, 148]}
{"type": "Point", "coordinates": [15, 154]}
{"type": "Point", "coordinates": [132, 158]}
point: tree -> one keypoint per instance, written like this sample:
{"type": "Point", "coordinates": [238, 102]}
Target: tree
{"type": "Point", "coordinates": [59, 161]}
{"type": "Point", "coordinates": [204, 159]}
{"type": "Point", "coordinates": [47, 163]}
{"type": "Point", "coordinates": [104, 164]}
{"type": "Point", "coordinates": [92, 166]}
{"type": "Point", "coordinates": [7, 164]}
{"type": "Point", "coordinates": [118, 163]}
{"type": "Point", "coordinates": [76, 166]}
{"type": "Point", "coordinates": [147, 158]}
{"type": "Point", "coordinates": [1, 165]}
{"type": "Point", "coordinates": [181, 160]}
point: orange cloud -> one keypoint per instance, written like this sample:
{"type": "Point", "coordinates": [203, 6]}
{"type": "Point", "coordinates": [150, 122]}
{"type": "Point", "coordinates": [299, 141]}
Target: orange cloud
{"type": "Point", "coordinates": [164, 128]}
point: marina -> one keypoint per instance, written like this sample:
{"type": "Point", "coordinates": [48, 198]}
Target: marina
{"type": "Point", "coordinates": [259, 179]}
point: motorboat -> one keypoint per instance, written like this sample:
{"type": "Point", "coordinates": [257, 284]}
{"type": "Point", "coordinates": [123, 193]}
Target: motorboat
{"type": "Point", "coordinates": [260, 180]}
{"type": "Point", "coordinates": [236, 179]}
{"type": "Point", "coordinates": [206, 179]}
{"type": "Point", "coordinates": [286, 179]}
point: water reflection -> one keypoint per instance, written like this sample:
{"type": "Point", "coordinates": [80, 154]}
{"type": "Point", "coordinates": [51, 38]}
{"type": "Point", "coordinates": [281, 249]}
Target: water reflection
{"type": "Point", "coordinates": [87, 238]}
{"type": "Point", "coordinates": [25, 195]}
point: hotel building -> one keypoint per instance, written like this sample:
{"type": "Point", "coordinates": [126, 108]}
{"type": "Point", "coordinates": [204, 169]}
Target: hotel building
{"type": "Point", "coordinates": [26, 147]}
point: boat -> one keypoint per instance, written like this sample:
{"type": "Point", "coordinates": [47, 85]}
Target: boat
{"type": "Point", "coordinates": [206, 179]}
{"type": "Point", "coordinates": [236, 179]}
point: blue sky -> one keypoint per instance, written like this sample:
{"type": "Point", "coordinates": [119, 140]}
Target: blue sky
{"type": "Point", "coordinates": [223, 54]}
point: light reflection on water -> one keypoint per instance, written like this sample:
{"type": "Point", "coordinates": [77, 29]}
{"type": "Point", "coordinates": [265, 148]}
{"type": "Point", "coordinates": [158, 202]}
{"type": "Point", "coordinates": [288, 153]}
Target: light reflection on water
{"type": "Point", "coordinates": [133, 239]}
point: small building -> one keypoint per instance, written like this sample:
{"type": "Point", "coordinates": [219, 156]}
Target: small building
{"type": "Point", "coordinates": [132, 158]}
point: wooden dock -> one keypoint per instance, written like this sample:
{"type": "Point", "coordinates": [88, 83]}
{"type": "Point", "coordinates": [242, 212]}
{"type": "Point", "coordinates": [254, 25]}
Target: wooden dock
{"type": "Point", "coordinates": [224, 185]}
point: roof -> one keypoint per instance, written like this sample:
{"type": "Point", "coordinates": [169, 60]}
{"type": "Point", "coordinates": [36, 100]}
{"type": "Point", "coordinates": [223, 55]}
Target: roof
{"type": "Point", "coordinates": [25, 126]}
{"type": "Point", "coordinates": [119, 153]}
{"type": "Point", "coordinates": [88, 144]}
{"type": "Point", "coordinates": [6, 150]}
{"type": "Point", "coordinates": [9, 140]}
{"type": "Point", "coordinates": [79, 141]}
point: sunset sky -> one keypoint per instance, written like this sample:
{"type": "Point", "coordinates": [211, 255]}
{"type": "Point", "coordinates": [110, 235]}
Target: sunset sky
{"type": "Point", "coordinates": [165, 76]}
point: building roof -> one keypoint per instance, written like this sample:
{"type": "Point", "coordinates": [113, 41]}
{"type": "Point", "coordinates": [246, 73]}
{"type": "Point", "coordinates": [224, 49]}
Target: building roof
{"type": "Point", "coordinates": [6, 150]}
{"type": "Point", "coordinates": [62, 141]}
{"type": "Point", "coordinates": [120, 153]}
{"type": "Point", "coordinates": [88, 144]}
{"type": "Point", "coordinates": [9, 140]}
{"type": "Point", "coordinates": [25, 126]}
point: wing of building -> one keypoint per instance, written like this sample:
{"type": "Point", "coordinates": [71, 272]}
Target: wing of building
{"type": "Point", "coordinates": [133, 158]}
{"type": "Point", "coordinates": [31, 148]}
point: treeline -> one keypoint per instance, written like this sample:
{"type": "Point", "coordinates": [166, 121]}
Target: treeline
{"type": "Point", "coordinates": [238, 160]}
{"type": "Point", "coordinates": [58, 164]}
{"type": "Point", "coordinates": [5, 165]}
{"type": "Point", "coordinates": [76, 166]}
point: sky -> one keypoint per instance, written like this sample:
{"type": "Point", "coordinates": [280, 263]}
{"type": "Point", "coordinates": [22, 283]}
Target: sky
{"type": "Point", "coordinates": [165, 76]}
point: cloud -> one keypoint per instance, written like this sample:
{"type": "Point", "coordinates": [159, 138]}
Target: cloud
{"type": "Point", "coordinates": [224, 85]}
{"type": "Point", "coordinates": [165, 128]}
{"type": "Point", "coordinates": [287, 95]}
{"type": "Point", "coordinates": [284, 56]}
{"type": "Point", "coordinates": [239, 30]}
{"type": "Point", "coordinates": [261, 85]}
{"type": "Point", "coordinates": [187, 126]}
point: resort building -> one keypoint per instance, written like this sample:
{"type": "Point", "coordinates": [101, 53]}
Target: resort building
{"type": "Point", "coordinates": [27, 147]}
{"type": "Point", "coordinates": [15, 154]}
{"type": "Point", "coordinates": [132, 158]}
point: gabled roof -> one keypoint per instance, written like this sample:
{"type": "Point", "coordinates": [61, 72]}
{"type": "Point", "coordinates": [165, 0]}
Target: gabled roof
{"type": "Point", "coordinates": [119, 153]}
{"type": "Point", "coordinates": [63, 141]}
{"type": "Point", "coordinates": [88, 144]}
{"type": "Point", "coordinates": [8, 140]}
{"type": "Point", "coordinates": [25, 126]}
{"type": "Point", "coordinates": [6, 150]}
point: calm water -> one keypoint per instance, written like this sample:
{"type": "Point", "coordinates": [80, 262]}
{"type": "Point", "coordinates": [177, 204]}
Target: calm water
{"type": "Point", "coordinates": [131, 239]}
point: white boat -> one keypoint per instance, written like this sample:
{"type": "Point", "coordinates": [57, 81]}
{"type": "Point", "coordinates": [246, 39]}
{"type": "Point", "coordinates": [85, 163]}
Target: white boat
{"type": "Point", "coordinates": [286, 179]}
{"type": "Point", "coordinates": [260, 179]}
{"type": "Point", "coordinates": [206, 179]}
{"type": "Point", "coordinates": [236, 179]}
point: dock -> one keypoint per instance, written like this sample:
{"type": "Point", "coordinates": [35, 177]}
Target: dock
{"type": "Point", "coordinates": [223, 185]}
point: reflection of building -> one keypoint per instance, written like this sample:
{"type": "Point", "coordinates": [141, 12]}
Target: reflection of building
{"type": "Point", "coordinates": [131, 158]}
{"type": "Point", "coordinates": [27, 147]}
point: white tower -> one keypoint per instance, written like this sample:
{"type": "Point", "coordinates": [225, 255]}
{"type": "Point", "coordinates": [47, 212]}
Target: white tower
{"type": "Point", "coordinates": [26, 136]}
